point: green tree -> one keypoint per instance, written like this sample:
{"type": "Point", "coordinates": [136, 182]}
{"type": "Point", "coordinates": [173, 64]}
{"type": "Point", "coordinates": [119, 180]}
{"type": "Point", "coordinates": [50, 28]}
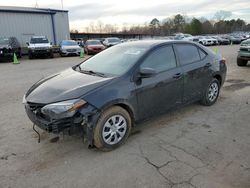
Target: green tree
{"type": "Point", "coordinates": [195, 27]}
{"type": "Point", "coordinates": [179, 23]}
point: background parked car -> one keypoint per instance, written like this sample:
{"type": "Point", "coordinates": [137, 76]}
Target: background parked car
{"type": "Point", "coordinates": [244, 53]}
{"type": "Point", "coordinates": [69, 47]}
{"type": "Point", "coordinates": [233, 39]}
{"type": "Point", "coordinates": [39, 45]}
{"type": "Point", "coordinates": [206, 41]}
{"type": "Point", "coordinates": [9, 46]}
{"type": "Point", "coordinates": [111, 41]}
{"type": "Point", "coordinates": [93, 47]}
{"type": "Point", "coordinates": [222, 41]}
{"type": "Point", "coordinates": [186, 37]}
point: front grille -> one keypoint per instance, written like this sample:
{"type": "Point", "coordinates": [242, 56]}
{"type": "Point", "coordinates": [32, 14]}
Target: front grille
{"type": "Point", "coordinates": [40, 48]}
{"type": "Point", "coordinates": [245, 49]}
{"type": "Point", "coordinates": [71, 50]}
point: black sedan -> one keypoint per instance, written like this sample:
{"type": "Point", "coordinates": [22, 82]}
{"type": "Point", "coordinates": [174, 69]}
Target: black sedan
{"type": "Point", "coordinates": [109, 93]}
{"type": "Point", "coordinates": [9, 46]}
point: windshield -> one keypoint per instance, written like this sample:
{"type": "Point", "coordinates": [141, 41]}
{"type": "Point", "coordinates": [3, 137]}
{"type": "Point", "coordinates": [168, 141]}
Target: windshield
{"type": "Point", "coordinates": [114, 61]}
{"type": "Point", "coordinates": [4, 41]}
{"type": "Point", "coordinates": [93, 42]}
{"type": "Point", "coordinates": [38, 40]}
{"type": "Point", "coordinates": [69, 43]}
{"type": "Point", "coordinates": [114, 40]}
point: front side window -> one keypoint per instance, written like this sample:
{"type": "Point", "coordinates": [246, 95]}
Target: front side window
{"type": "Point", "coordinates": [69, 43]}
{"type": "Point", "coordinates": [187, 53]}
{"type": "Point", "coordinates": [4, 41]}
{"type": "Point", "coordinates": [161, 59]}
{"type": "Point", "coordinates": [38, 40]}
{"type": "Point", "coordinates": [93, 42]}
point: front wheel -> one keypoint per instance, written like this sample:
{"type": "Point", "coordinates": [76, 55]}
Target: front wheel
{"type": "Point", "coordinates": [51, 55]}
{"type": "Point", "coordinates": [30, 55]}
{"type": "Point", "coordinates": [212, 93]}
{"type": "Point", "coordinates": [241, 62]}
{"type": "Point", "coordinates": [112, 128]}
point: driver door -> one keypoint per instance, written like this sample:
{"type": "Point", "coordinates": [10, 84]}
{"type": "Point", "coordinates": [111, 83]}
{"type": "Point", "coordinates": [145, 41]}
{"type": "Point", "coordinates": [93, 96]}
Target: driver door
{"type": "Point", "coordinates": [163, 91]}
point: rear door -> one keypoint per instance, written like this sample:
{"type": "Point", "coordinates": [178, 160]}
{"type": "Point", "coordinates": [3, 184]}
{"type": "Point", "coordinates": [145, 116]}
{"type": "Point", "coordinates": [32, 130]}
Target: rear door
{"type": "Point", "coordinates": [195, 64]}
{"type": "Point", "coordinates": [164, 90]}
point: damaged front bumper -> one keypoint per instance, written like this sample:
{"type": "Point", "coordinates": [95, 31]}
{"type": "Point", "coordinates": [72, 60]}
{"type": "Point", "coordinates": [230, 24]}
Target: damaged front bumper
{"type": "Point", "coordinates": [85, 119]}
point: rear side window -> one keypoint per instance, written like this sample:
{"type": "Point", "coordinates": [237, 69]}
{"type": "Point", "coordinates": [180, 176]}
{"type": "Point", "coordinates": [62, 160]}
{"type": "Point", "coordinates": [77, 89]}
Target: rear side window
{"type": "Point", "coordinates": [161, 59]}
{"type": "Point", "coordinates": [202, 54]}
{"type": "Point", "coordinates": [187, 53]}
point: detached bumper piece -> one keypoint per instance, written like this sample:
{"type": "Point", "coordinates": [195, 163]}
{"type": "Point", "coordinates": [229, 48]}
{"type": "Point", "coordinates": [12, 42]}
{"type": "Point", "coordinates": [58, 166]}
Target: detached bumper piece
{"type": "Point", "coordinates": [53, 126]}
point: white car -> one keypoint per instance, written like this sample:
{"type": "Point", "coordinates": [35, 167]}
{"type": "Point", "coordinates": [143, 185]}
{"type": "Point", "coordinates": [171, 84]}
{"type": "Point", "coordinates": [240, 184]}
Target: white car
{"type": "Point", "coordinates": [186, 37]}
{"type": "Point", "coordinates": [39, 45]}
{"type": "Point", "coordinates": [207, 41]}
{"type": "Point", "coordinates": [111, 41]}
{"type": "Point", "coordinates": [69, 47]}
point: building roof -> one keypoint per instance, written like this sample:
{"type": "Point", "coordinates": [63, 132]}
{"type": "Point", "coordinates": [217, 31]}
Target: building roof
{"type": "Point", "coordinates": [29, 10]}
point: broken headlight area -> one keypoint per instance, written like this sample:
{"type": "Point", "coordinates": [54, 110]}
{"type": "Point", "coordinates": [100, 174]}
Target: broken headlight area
{"type": "Point", "coordinates": [57, 116]}
{"type": "Point", "coordinates": [63, 109]}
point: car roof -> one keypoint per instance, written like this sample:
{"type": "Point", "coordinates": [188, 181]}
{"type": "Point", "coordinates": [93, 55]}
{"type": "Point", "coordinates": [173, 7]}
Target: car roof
{"type": "Point", "coordinates": [153, 43]}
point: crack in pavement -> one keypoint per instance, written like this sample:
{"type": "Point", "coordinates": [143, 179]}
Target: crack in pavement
{"type": "Point", "coordinates": [171, 183]}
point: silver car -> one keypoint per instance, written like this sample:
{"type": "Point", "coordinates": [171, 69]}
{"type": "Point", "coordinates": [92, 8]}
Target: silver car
{"type": "Point", "coordinates": [69, 47]}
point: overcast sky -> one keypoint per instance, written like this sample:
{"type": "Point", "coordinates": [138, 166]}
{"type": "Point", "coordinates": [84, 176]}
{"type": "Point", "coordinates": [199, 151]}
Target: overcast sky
{"type": "Point", "coordinates": [83, 12]}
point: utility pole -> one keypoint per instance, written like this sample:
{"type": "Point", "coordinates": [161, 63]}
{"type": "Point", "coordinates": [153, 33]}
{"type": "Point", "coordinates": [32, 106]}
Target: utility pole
{"type": "Point", "coordinates": [36, 5]}
{"type": "Point", "coordinates": [62, 4]}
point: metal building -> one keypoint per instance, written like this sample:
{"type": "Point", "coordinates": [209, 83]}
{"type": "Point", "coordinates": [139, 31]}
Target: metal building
{"type": "Point", "coordinates": [22, 23]}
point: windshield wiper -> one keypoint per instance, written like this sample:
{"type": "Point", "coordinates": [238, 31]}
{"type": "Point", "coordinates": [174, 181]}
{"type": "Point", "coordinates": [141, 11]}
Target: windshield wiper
{"type": "Point", "coordinates": [91, 72]}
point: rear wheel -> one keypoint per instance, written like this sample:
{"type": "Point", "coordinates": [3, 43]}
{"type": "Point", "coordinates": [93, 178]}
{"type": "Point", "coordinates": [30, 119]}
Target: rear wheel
{"type": "Point", "coordinates": [112, 128]}
{"type": "Point", "coordinates": [241, 62]}
{"type": "Point", "coordinates": [212, 93]}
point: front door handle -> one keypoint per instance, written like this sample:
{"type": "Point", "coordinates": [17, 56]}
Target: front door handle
{"type": "Point", "coordinates": [177, 76]}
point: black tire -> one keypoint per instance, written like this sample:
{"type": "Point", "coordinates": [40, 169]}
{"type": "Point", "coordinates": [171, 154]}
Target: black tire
{"type": "Point", "coordinates": [30, 55]}
{"type": "Point", "coordinates": [241, 62]}
{"type": "Point", "coordinates": [207, 100]}
{"type": "Point", "coordinates": [51, 55]}
{"type": "Point", "coordinates": [86, 52]}
{"type": "Point", "coordinates": [20, 54]}
{"type": "Point", "coordinates": [106, 117]}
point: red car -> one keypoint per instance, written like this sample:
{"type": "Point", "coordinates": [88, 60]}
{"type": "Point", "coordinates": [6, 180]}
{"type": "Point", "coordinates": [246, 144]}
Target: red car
{"type": "Point", "coordinates": [93, 47]}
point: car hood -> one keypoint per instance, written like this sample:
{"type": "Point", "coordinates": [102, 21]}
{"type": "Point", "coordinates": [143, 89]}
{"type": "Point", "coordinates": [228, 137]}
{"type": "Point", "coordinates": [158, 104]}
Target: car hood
{"type": "Point", "coordinates": [66, 85]}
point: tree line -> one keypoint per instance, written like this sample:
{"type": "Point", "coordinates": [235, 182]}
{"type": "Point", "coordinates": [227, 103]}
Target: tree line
{"type": "Point", "coordinates": [195, 26]}
{"type": "Point", "coordinates": [176, 24]}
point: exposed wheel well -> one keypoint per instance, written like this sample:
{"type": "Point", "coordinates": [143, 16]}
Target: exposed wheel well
{"type": "Point", "coordinates": [218, 77]}
{"type": "Point", "coordinates": [128, 109]}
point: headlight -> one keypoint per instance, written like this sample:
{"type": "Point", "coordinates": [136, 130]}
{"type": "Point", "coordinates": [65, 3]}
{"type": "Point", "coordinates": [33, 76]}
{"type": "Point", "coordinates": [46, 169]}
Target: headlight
{"type": "Point", "coordinates": [24, 100]}
{"type": "Point", "coordinates": [63, 109]}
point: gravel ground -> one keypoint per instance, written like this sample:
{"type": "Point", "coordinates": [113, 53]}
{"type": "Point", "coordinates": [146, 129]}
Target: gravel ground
{"type": "Point", "coordinates": [195, 146]}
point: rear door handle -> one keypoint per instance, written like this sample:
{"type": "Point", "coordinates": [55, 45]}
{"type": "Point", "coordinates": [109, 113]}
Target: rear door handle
{"type": "Point", "coordinates": [208, 65]}
{"type": "Point", "coordinates": [177, 76]}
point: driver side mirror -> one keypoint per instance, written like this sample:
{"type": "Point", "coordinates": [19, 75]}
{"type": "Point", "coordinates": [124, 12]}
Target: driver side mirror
{"type": "Point", "coordinates": [28, 43]}
{"type": "Point", "coordinates": [146, 72]}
